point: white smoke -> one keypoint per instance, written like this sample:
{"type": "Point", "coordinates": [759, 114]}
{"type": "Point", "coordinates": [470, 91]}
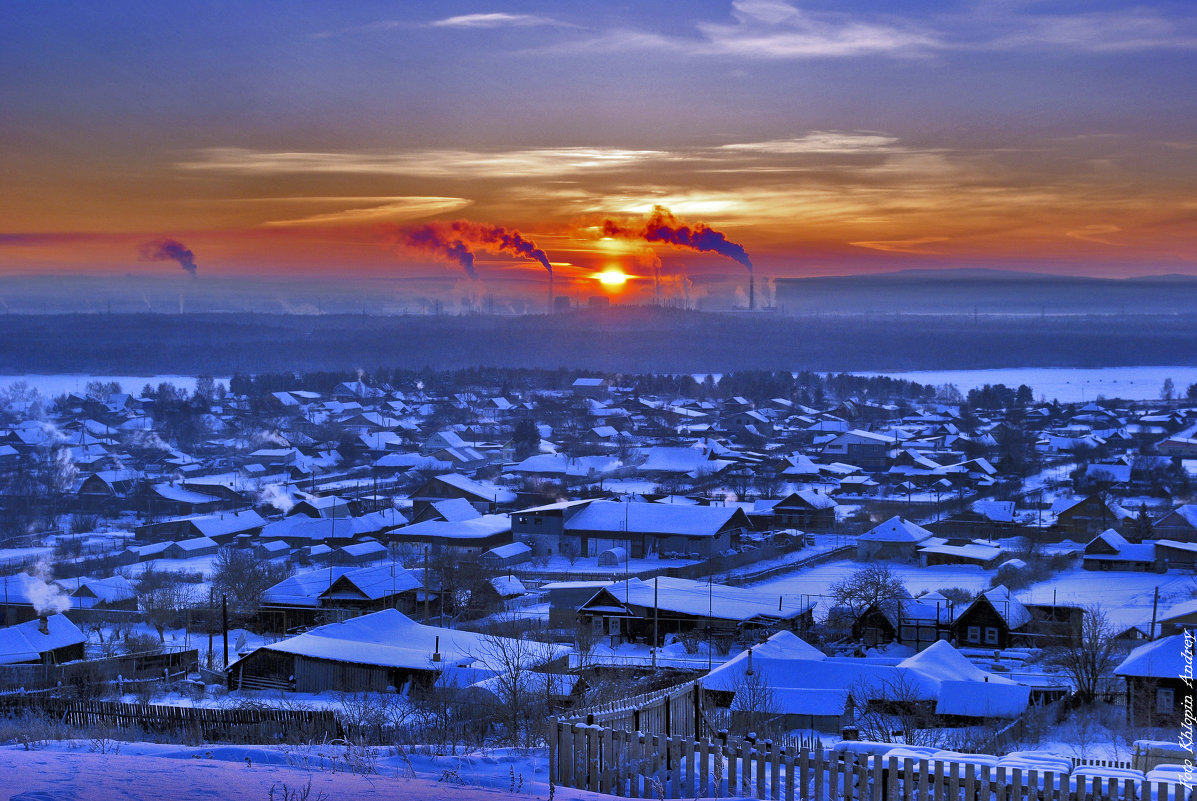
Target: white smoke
{"type": "Point", "coordinates": [146, 440]}
{"type": "Point", "coordinates": [277, 496]}
{"type": "Point", "coordinates": [265, 437]}
{"type": "Point", "coordinates": [47, 598]}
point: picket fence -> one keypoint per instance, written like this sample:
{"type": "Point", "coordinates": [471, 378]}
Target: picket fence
{"type": "Point", "coordinates": [631, 764]}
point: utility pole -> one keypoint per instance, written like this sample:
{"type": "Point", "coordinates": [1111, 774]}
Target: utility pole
{"type": "Point", "coordinates": [1155, 603]}
{"type": "Point", "coordinates": [224, 614]}
{"type": "Point", "coordinates": [656, 620]}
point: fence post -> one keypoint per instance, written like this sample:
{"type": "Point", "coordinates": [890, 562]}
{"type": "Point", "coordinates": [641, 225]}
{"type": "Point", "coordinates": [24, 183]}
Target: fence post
{"type": "Point", "coordinates": [554, 752]}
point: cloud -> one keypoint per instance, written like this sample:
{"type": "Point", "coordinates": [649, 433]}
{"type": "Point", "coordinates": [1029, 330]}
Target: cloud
{"type": "Point", "coordinates": [818, 142]}
{"type": "Point", "coordinates": [394, 210]}
{"type": "Point", "coordinates": [497, 20]}
{"type": "Point", "coordinates": [904, 245]}
{"type": "Point", "coordinates": [464, 164]}
{"type": "Point", "coordinates": [778, 30]}
{"type": "Point", "coordinates": [1095, 233]}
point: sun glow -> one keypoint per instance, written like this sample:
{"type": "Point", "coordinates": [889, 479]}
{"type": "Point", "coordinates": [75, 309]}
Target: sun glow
{"type": "Point", "coordinates": [612, 278]}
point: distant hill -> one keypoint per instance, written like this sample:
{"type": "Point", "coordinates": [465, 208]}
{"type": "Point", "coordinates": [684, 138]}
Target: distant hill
{"type": "Point", "coordinates": [983, 291]}
{"type": "Point", "coordinates": [616, 339]}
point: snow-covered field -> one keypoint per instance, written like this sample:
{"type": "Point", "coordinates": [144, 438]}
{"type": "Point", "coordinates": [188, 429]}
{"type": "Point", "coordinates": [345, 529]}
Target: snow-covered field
{"type": "Point", "coordinates": [1065, 384]}
{"type": "Point", "coordinates": [70, 771]}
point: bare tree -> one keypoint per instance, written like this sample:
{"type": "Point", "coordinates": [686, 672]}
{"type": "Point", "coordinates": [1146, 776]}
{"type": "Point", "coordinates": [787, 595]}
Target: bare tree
{"type": "Point", "coordinates": [1089, 658]}
{"type": "Point", "coordinates": [513, 660]}
{"type": "Point", "coordinates": [755, 704]}
{"type": "Point", "coordinates": [891, 707]}
{"type": "Point", "coordinates": [244, 578]}
{"type": "Point", "coordinates": [867, 587]}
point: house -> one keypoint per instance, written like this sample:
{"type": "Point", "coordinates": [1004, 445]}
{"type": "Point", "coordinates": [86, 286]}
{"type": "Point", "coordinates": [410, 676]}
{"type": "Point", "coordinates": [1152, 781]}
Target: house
{"type": "Point", "coordinates": [1083, 519]}
{"type": "Point", "coordinates": [190, 548]}
{"type": "Point", "coordinates": [1110, 550]}
{"type": "Point", "coordinates": [336, 593]}
{"type": "Point", "coordinates": [485, 497]}
{"type": "Point", "coordinates": [27, 597]}
{"type": "Point", "coordinates": [107, 486]}
{"type": "Point", "coordinates": [1179, 618]}
{"type": "Point", "coordinates": [110, 593]}
{"type": "Point", "coordinates": [49, 640]}
{"type": "Point", "coordinates": [635, 610]}
{"type": "Point", "coordinates": [360, 553]}
{"type": "Point", "coordinates": [379, 651]}
{"type": "Point", "coordinates": [590, 387]}
{"type": "Point", "coordinates": [1159, 692]}
{"type": "Point", "coordinates": [224, 527]}
{"type": "Point", "coordinates": [961, 552]}
{"type": "Point", "coordinates": [174, 500]}
{"type": "Point", "coordinates": [896, 538]}
{"type": "Point", "coordinates": [994, 620]}
{"type": "Point", "coordinates": [566, 596]}
{"type": "Point", "coordinates": [916, 623]}
{"type": "Point", "coordinates": [321, 507]}
{"type": "Point", "coordinates": [505, 556]}
{"type": "Point", "coordinates": [699, 532]}
{"type": "Point", "coordinates": [806, 510]}
{"type": "Point", "coordinates": [808, 689]}
{"type": "Point", "coordinates": [1179, 524]}
{"type": "Point", "coordinates": [866, 449]}
{"type": "Point", "coordinates": [464, 537]}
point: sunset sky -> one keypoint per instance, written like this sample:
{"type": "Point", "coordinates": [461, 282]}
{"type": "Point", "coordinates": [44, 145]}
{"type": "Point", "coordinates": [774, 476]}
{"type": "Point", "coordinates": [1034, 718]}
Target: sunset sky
{"type": "Point", "coordinates": [293, 141]}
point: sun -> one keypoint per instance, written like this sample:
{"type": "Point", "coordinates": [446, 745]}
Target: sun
{"type": "Point", "coordinates": [613, 277]}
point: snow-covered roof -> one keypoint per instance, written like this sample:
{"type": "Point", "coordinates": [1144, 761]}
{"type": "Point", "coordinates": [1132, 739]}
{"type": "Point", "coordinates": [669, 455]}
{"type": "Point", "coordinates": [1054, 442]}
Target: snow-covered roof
{"type": "Point", "coordinates": [653, 518]}
{"type": "Point", "coordinates": [391, 639]}
{"type": "Point", "coordinates": [804, 681]}
{"type": "Point", "coordinates": [995, 511]}
{"type": "Point", "coordinates": [702, 599]}
{"type": "Point", "coordinates": [26, 642]}
{"type": "Point", "coordinates": [455, 509]}
{"type": "Point", "coordinates": [1008, 607]}
{"type": "Point", "coordinates": [372, 583]}
{"type": "Point", "coordinates": [479, 528]}
{"type": "Point", "coordinates": [896, 529]}
{"type": "Point", "coordinates": [1165, 658]}
{"type": "Point", "coordinates": [90, 591]}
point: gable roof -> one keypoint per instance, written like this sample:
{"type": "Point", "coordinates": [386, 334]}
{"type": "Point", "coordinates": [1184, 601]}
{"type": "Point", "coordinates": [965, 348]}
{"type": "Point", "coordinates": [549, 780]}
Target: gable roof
{"type": "Point", "coordinates": [656, 518]}
{"type": "Point", "coordinates": [896, 529]}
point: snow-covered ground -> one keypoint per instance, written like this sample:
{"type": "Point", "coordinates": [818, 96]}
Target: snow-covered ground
{"type": "Point", "coordinates": [72, 771]}
{"type": "Point", "coordinates": [1125, 597]}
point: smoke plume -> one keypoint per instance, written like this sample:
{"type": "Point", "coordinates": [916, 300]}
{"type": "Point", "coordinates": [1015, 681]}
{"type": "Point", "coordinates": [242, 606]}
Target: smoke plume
{"type": "Point", "coordinates": [453, 241]}
{"type": "Point", "coordinates": [432, 239]}
{"type": "Point", "coordinates": [662, 226]}
{"type": "Point", "coordinates": [168, 250]}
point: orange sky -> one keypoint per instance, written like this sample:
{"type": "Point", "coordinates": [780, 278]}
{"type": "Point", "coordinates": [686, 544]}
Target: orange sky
{"type": "Point", "coordinates": [826, 138]}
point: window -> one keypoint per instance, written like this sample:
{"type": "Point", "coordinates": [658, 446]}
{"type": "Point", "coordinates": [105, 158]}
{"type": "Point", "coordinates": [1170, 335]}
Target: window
{"type": "Point", "coordinates": [1165, 700]}
{"type": "Point", "coordinates": [974, 634]}
{"type": "Point", "coordinates": [614, 626]}
{"type": "Point", "coordinates": [597, 622]}
{"type": "Point", "coordinates": [991, 635]}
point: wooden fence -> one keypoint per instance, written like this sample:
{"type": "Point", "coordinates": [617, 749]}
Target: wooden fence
{"type": "Point", "coordinates": [675, 710]}
{"type": "Point", "coordinates": [91, 671]}
{"type": "Point", "coordinates": [636, 765]}
{"type": "Point", "coordinates": [246, 724]}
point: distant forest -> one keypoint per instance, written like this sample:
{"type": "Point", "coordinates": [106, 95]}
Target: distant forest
{"type": "Point", "coordinates": [621, 339]}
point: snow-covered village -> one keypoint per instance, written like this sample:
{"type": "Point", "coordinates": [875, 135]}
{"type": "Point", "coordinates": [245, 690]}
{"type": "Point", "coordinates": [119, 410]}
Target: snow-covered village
{"type": "Point", "coordinates": [551, 583]}
{"type": "Point", "coordinates": [567, 400]}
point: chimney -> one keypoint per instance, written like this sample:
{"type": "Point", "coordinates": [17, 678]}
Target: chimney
{"type": "Point", "coordinates": [751, 291]}
{"type": "Point", "coordinates": [436, 653]}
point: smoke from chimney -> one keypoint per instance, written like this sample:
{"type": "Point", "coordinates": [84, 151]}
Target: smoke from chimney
{"type": "Point", "coordinates": [662, 226]}
{"type": "Point", "coordinates": [431, 239]}
{"type": "Point", "coordinates": [168, 250]}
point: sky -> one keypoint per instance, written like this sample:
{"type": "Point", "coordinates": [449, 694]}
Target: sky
{"type": "Point", "coordinates": [305, 142]}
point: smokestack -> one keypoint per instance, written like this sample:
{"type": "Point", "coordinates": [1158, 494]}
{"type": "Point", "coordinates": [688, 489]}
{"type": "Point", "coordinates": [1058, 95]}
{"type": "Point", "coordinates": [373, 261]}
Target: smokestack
{"type": "Point", "coordinates": [550, 291]}
{"type": "Point", "coordinates": [751, 291]}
